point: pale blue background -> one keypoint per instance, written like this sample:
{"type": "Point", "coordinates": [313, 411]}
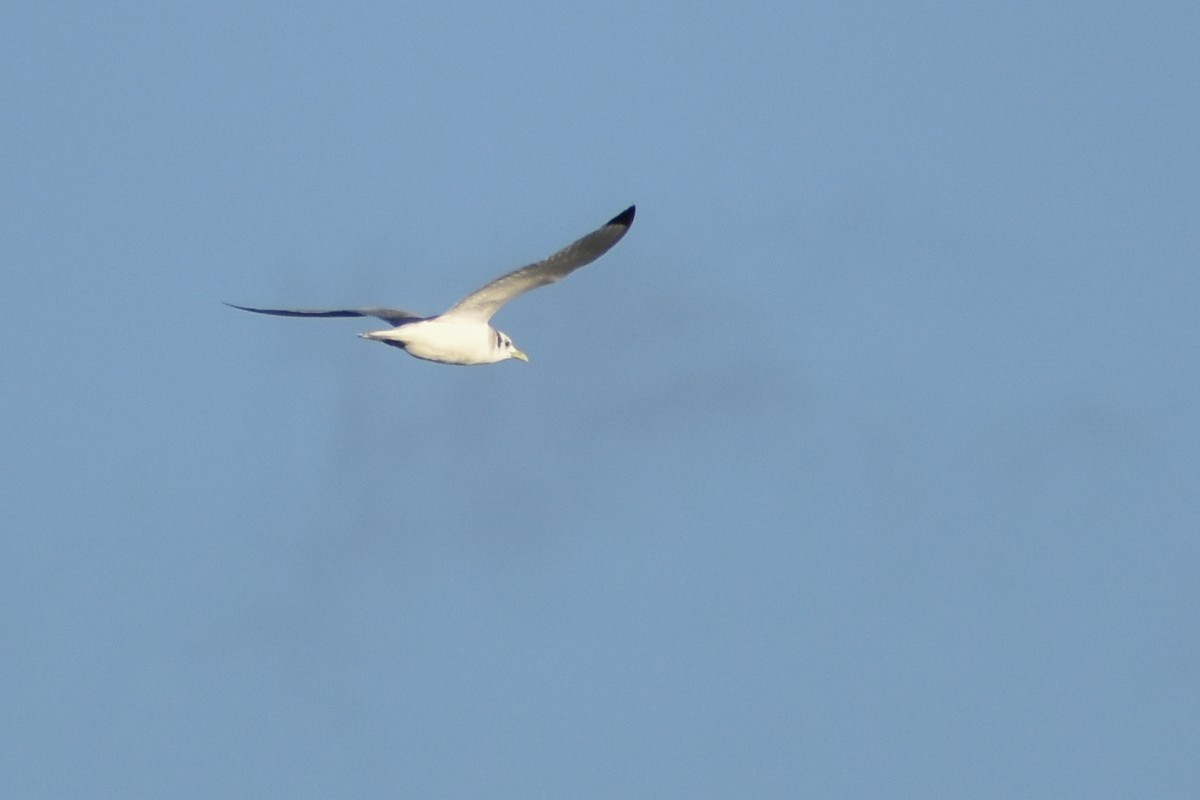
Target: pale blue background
{"type": "Point", "coordinates": [865, 466]}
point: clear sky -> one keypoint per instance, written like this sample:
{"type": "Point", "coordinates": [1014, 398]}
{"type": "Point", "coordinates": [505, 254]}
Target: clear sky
{"type": "Point", "coordinates": [867, 465]}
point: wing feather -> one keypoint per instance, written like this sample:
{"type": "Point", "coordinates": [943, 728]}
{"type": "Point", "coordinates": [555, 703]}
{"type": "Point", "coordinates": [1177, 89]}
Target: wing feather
{"type": "Point", "coordinates": [481, 304]}
{"type": "Point", "coordinates": [393, 316]}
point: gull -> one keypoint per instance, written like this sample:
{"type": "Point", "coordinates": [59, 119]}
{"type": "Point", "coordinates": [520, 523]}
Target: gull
{"type": "Point", "coordinates": [462, 334]}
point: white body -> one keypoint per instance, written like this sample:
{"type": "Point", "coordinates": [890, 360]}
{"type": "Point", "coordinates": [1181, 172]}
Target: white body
{"type": "Point", "coordinates": [448, 341]}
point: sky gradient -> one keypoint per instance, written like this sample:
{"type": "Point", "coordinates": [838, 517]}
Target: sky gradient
{"type": "Point", "coordinates": [866, 465]}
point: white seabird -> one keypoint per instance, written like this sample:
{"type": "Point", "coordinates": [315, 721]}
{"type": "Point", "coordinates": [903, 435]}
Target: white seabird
{"type": "Point", "coordinates": [462, 334]}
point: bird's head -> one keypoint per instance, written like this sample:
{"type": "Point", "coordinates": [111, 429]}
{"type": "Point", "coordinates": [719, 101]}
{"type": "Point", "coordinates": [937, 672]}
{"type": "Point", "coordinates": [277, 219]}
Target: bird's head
{"type": "Point", "coordinates": [507, 348]}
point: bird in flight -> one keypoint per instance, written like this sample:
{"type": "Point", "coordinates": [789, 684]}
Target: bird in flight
{"type": "Point", "coordinates": [463, 335]}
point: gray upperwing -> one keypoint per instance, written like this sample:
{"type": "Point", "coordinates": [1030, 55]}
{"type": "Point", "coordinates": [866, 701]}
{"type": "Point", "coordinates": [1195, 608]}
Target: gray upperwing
{"type": "Point", "coordinates": [392, 316]}
{"type": "Point", "coordinates": [484, 302]}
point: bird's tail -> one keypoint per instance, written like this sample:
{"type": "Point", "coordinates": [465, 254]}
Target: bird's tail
{"type": "Point", "coordinates": [380, 336]}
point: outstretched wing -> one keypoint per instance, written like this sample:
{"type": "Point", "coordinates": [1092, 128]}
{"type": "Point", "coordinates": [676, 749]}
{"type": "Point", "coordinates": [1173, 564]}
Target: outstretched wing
{"type": "Point", "coordinates": [481, 304]}
{"type": "Point", "coordinates": [393, 316]}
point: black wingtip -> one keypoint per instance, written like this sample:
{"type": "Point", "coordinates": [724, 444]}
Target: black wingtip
{"type": "Point", "coordinates": [625, 218]}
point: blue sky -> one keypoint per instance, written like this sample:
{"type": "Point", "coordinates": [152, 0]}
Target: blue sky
{"type": "Point", "coordinates": [865, 466]}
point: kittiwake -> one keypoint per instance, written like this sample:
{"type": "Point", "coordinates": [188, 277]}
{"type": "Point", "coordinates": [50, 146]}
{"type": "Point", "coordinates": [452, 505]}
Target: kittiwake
{"type": "Point", "coordinates": [462, 334]}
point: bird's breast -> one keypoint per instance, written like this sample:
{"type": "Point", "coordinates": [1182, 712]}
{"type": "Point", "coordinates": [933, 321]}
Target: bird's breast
{"type": "Point", "coordinates": [450, 342]}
